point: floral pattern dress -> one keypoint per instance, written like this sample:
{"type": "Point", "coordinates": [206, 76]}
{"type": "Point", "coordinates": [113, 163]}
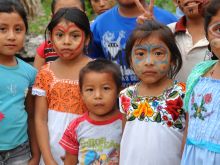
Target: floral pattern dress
{"type": "Point", "coordinates": [154, 127]}
{"type": "Point", "coordinates": [203, 138]}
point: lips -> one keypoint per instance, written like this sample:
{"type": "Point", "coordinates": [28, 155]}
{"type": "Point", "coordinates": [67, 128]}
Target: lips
{"type": "Point", "coordinates": [102, 11]}
{"type": "Point", "coordinates": [10, 45]}
{"type": "Point", "coordinates": [149, 72]}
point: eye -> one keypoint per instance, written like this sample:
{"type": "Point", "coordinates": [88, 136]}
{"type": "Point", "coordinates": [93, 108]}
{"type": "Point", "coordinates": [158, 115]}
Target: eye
{"type": "Point", "coordinates": [75, 36]}
{"type": "Point", "coordinates": [139, 53]}
{"type": "Point", "coordinates": [3, 29]}
{"type": "Point", "coordinates": [89, 89]}
{"type": "Point", "coordinates": [106, 88]}
{"type": "Point", "coordinates": [59, 34]}
{"type": "Point", "coordinates": [18, 29]}
{"type": "Point", "coordinates": [158, 53]}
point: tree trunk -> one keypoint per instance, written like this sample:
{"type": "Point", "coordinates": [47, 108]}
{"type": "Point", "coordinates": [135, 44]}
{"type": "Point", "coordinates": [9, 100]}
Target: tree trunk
{"type": "Point", "coordinates": [33, 7]}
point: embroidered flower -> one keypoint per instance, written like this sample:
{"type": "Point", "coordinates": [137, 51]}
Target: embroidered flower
{"type": "Point", "coordinates": [155, 103]}
{"type": "Point", "coordinates": [2, 116]}
{"type": "Point", "coordinates": [169, 123]}
{"type": "Point", "coordinates": [208, 98]}
{"type": "Point", "coordinates": [159, 108]}
{"type": "Point", "coordinates": [165, 118]}
{"type": "Point", "coordinates": [173, 107]}
{"type": "Point", "coordinates": [183, 86]}
{"type": "Point", "coordinates": [144, 109]}
{"type": "Point", "coordinates": [125, 102]}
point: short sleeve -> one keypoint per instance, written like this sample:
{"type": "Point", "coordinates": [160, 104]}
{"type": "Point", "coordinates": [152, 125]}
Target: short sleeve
{"type": "Point", "coordinates": [69, 140]}
{"type": "Point", "coordinates": [42, 82]}
{"type": "Point", "coordinates": [40, 49]}
{"type": "Point", "coordinates": [124, 101]}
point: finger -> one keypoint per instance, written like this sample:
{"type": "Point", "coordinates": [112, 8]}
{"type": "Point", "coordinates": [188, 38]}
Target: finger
{"type": "Point", "coordinates": [151, 6]}
{"type": "Point", "coordinates": [140, 6]}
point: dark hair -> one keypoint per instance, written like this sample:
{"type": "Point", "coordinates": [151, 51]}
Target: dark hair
{"type": "Point", "coordinates": [53, 4]}
{"type": "Point", "coordinates": [210, 11]}
{"type": "Point", "coordinates": [101, 66]}
{"type": "Point", "coordinates": [10, 6]}
{"type": "Point", "coordinates": [145, 30]}
{"type": "Point", "coordinates": [74, 15]}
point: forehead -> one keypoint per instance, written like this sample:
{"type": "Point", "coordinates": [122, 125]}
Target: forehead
{"type": "Point", "coordinates": [215, 18]}
{"type": "Point", "coordinates": [153, 39]}
{"type": "Point", "coordinates": [100, 77]}
{"type": "Point", "coordinates": [11, 19]}
{"type": "Point", "coordinates": [67, 3]}
{"type": "Point", "coordinates": [66, 24]}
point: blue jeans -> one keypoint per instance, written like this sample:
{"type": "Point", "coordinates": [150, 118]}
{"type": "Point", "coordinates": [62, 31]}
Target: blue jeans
{"type": "Point", "coordinates": [17, 156]}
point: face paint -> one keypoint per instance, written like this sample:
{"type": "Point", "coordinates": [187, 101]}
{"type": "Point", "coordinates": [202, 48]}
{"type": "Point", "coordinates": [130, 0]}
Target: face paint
{"type": "Point", "coordinates": [214, 29]}
{"type": "Point", "coordinates": [156, 55]}
{"type": "Point", "coordinates": [68, 40]}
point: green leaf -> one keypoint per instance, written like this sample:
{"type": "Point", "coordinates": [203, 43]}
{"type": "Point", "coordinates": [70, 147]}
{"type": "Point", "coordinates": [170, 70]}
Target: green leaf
{"type": "Point", "coordinates": [157, 117]}
{"type": "Point", "coordinates": [178, 124]}
{"type": "Point", "coordinates": [173, 94]}
{"type": "Point", "coordinates": [131, 118]}
{"type": "Point", "coordinates": [134, 105]}
{"type": "Point", "coordinates": [129, 93]}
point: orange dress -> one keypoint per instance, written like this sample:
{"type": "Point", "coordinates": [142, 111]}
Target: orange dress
{"type": "Point", "coordinates": [64, 105]}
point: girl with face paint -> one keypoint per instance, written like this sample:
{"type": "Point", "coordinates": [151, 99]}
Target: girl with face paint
{"type": "Point", "coordinates": [153, 115]}
{"type": "Point", "coordinates": [58, 99]}
{"type": "Point", "coordinates": [202, 100]}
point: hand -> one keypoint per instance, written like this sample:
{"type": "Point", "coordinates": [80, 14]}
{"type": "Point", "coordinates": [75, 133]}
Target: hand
{"type": "Point", "coordinates": [147, 13]}
{"type": "Point", "coordinates": [33, 161]}
{"type": "Point", "coordinates": [62, 158]}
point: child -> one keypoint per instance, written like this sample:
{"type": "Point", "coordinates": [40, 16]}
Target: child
{"type": "Point", "coordinates": [100, 6]}
{"type": "Point", "coordinates": [58, 98]}
{"type": "Point", "coordinates": [153, 107]}
{"type": "Point", "coordinates": [111, 30]}
{"type": "Point", "coordinates": [45, 51]}
{"type": "Point", "coordinates": [202, 100]}
{"type": "Point", "coordinates": [16, 78]}
{"type": "Point", "coordinates": [94, 138]}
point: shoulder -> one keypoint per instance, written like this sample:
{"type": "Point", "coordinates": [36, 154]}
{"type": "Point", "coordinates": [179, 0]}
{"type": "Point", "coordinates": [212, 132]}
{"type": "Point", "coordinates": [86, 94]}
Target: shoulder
{"type": "Point", "coordinates": [105, 17]}
{"type": "Point", "coordinates": [74, 124]}
{"type": "Point", "coordinates": [129, 91]}
{"type": "Point", "coordinates": [27, 68]}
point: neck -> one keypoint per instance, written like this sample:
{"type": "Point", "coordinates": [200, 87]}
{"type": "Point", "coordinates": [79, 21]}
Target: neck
{"type": "Point", "coordinates": [195, 22]}
{"type": "Point", "coordinates": [154, 89]}
{"type": "Point", "coordinates": [72, 62]}
{"type": "Point", "coordinates": [131, 11]}
{"type": "Point", "coordinates": [8, 60]}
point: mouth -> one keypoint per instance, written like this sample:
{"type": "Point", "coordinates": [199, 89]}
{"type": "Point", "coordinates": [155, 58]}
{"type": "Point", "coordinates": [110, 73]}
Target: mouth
{"type": "Point", "coordinates": [102, 11]}
{"type": "Point", "coordinates": [99, 105]}
{"type": "Point", "coordinates": [66, 50]}
{"type": "Point", "coordinates": [10, 45]}
{"type": "Point", "coordinates": [150, 72]}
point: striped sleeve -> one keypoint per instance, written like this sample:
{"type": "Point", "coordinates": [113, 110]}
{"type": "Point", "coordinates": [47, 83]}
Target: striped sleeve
{"type": "Point", "coordinates": [69, 140]}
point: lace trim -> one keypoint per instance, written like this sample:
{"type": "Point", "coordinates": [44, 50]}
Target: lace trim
{"type": "Point", "coordinates": [38, 92]}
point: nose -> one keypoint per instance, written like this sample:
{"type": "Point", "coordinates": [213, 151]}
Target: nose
{"type": "Point", "coordinates": [11, 35]}
{"type": "Point", "coordinates": [149, 60]}
{"type": "Point", "coordinates": [98, 94]}
{"type": "Point", "coordinates": [67, 40]}
{"type": "Point", "coordinates": [102, 2]}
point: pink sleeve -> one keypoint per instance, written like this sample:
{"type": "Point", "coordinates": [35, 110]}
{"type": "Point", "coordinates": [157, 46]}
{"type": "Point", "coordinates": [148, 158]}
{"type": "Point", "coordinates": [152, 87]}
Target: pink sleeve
{"type": "Point", "coordinates": [69, 140]}
{"type": "Point", "coordinates": [40, 49]}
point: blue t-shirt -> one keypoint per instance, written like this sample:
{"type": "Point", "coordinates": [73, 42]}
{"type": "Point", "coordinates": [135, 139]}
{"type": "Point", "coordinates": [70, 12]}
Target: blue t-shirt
{"type": "Point", "coordinates": [14, 84]}
{"type": "Point", "coordinates": [110, 33]}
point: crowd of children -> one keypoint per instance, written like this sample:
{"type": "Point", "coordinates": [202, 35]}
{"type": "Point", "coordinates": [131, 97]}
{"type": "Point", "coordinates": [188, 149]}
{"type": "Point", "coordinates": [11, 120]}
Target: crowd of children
{"type": "Point", "coordinates": [141, 93]}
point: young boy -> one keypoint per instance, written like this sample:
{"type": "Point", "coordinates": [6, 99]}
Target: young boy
{"type": "Point", "coordinates": [45, 52]}
{"type": "Point", "coordinates": [94, 138]}
{"type": "Point", "coordinates": [100, 6]}
{"type": "Point", "coordinates": [190, 36]}
{"type": "Point", "coordinates": [111, 30]}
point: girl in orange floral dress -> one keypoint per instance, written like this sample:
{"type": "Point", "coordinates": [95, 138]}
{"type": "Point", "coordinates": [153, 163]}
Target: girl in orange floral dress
{"type": "Point", "coordinates": [153, 115]}
{"type": "Point", "coordinates": [58, 99]}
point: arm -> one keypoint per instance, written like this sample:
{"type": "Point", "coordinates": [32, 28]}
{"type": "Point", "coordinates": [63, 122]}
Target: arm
{"type": "Point", "coordinates": [38, 61]}
{"type": "Point", "coordinates": [185, 134]}
{"type": "Point", "coordinates": [35, 152]}
{"type": "Point", "coordinates": [41, 118]}
{"type": "Point", "coordinates": [123, 122]}
{"type": "Point", "coordinates": [70, 159]}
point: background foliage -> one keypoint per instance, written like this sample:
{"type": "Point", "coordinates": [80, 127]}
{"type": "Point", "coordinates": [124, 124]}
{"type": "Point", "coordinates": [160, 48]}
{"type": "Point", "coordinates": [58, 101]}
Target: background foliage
{"type": "Point", "coordinates": [39, 23]}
